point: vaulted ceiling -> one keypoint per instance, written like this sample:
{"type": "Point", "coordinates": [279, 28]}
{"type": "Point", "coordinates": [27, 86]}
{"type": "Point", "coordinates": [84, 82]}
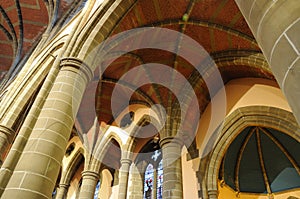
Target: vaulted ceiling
{"type": "Point", "coordinates": [22, 22]}
{"type": "Point", "coordinates": [217, 25]}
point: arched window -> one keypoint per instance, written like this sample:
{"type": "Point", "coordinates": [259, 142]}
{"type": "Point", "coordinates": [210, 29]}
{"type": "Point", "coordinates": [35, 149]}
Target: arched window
{"type": "Point", "coordinates": [153, 177]}
{"type": "Point", "coordinates": [149, 178]}
{"type": "Point", "coordinates": [159, 180]}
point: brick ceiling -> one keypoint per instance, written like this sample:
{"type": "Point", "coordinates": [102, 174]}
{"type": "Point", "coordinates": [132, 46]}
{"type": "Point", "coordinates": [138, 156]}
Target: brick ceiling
{"type": "Point", "coordinates": [22, 23]}
{"type": "Point", "coordinates": [217, 25]}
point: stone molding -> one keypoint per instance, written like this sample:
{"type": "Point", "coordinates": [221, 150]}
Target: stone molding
{"type": "Point", "coordinates": [74, 64]}
{"type": "Point", "coordinates": [9, 132]}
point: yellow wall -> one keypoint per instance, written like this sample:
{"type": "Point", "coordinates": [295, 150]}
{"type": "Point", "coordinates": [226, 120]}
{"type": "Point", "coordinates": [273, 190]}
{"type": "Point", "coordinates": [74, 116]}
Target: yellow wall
{"type": "Point", "coordinates": [227, 193]}
{"type": "Point", "coordinates": [190, 184]}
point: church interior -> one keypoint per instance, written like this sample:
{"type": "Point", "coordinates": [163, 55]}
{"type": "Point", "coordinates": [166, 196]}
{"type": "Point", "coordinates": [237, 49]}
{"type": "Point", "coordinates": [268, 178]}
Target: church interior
{"type": "Point", "coordinates": [149, 99]}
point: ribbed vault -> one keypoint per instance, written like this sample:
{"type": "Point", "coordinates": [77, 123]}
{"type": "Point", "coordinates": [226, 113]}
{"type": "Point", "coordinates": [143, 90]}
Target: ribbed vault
{"type": "Point", "coordinates": [22, 22]}
{"type": "Point", "coordinates": [216, 25]}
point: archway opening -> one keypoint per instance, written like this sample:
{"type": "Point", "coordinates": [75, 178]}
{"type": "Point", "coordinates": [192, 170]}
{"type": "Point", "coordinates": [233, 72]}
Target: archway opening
{"type": "Point", "coordinates": [260, 162]}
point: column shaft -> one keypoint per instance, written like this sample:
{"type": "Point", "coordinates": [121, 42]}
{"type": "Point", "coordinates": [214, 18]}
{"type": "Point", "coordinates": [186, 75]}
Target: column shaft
{"type": "Point", "coordinates": [212, 194]}
{"type": "Point", "coordinates": [88, 186]}
{"type": "Point", "coordinates": [276, 27]}
{"type": "Point", "coordinates": [123, 178]}
{"type": "Point", "coordinates": [172, 180]}
{"type": "Point", "coordinates": [36, 172]}
{"type": "Point", "coordinates": [17, 147]}
{"type": "Point", "coordinates": [6, 136]}
{"type": "Point", "coordinates": [136, 188]}
{"type": "Point", "coordinates": [62, 191]}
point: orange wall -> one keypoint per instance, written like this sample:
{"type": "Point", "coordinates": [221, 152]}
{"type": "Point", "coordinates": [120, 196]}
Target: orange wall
{"type": "Point", "coordinates": [240, 93]}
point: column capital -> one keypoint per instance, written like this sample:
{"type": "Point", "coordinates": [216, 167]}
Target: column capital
{"type": "Point", "coordinates": [167, 140]}
{"type": "Point", "coordinates": [90, 174]}
{"type": "Point", "coordinates": [9, 132]}
{"type": "Point", "coordinates": [75, 64]}
{"type": "Point", "coordinates": [45, 35]}
{"type": "Point", "coordinates": [63, 185]}
{"type": "Point", "coordinates": [126, 161]}
{"type": "Point", "coordinates": [213, 194]}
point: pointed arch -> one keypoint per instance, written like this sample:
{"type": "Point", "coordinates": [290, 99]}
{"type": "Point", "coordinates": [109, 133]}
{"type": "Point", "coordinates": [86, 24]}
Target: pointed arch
{"type": "Point", "coordinates": [241, 118]}
{"type": "Point", "coordinates": [77, 159]}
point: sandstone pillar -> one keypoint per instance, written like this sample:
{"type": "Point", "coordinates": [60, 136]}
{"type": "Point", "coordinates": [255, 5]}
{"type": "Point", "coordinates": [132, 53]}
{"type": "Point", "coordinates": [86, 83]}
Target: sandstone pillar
{"type": "Point", "coordinates": [172, 181]}
{"type": "Point", "coordinates": [6, 136]}
{"type": "Point", "coordinates": [36, 172]}
{"type": "Point", "coordinates": [276, 27]}
{"type": "Point", "coordinates": [136, 188]}
{"type": "Point", "coordinates": [123, 177]}
{"type": "Point", "coordinates": [89, 182]}
{"type": "Point", "coordinates": [212, 194]}
{"type": "Point", "coordinates": [62, 191]}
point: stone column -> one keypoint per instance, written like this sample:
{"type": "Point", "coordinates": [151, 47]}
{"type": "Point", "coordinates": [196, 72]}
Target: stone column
{"type": "Point", "coordinates": [123, 177]}
{"type": "Point", "coordinates": [276, 27]}
{"type": "Point", "coordinates": [6, 136]}
{"type": "Point", "coordinates": [88, 186]}
{"type": "Point", "coordinates": [212, 194]}
{"type": "Point", "coordinates": [172, 181]}
{"type": "Point", "coordinates": [37, 170]}
{"type": "Point", "coordinates": [62, 191]}
{"type": "Point", "coordinates": [136, 188]}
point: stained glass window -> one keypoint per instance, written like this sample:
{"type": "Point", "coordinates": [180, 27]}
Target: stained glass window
{"type": "Point", "coordinates": [153, 177]}
{"type": "Point", "coordinates": [97, 190]}
{"type": "Point", "coordinates": [159, 180]}
{"type": "Point", "coordinates": [148, 185]}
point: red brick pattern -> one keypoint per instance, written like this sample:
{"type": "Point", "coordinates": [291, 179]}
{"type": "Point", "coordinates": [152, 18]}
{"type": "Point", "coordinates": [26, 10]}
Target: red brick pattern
{"type": "Point", "coordinates": [217, 25]}
{"type": "Point", "coordinates": [22, 23]}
